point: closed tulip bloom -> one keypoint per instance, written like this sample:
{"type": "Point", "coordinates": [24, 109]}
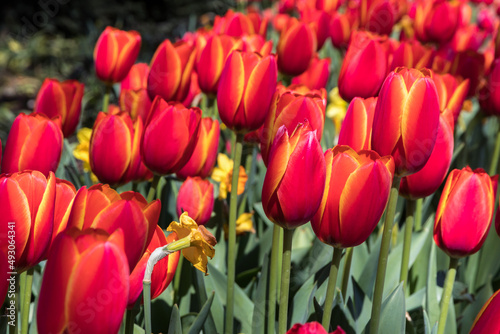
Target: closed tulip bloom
{"type": "Point", "coordinates": [115, 52]}
{"type": "Point", "coordinates": [487, 319]}
{"type": "Point", "coordinates": [329, 6]}
{"type": "Point", "coordinates": [194, 91]}
{"type": "Point", "coordinates": [27, 199]}
{"type": "Point", "coordinates": [355, 195]}
{"type": "Point", "coordinates": [490, 94]}
{"type": "Point", "coordinates": [319, 21]}
{"type": "Point", "coordinates": [364, 67]}
{"type": "Point", "coordinates": [137, 77]}
{"type": "Point", "coordinates": [406, 120]}
{"type": "Point", "coordinates": [316, 76]}
{"type": "Point", "coordinates": [296, 47]}
{"type": "Point", "coordinates": [196, 196]}
{"type": "Point", "coordinates": [234, 24]}
{"type": "Point", "coordinates": [170, 70]}
{"type": "Point", "coordinates": [35, 142]}
{"type": "Point", "coordinates": [356, 129]}
{"type": "Point", "coordinates": [295, 177]}
{"type": "Point", "coordinates": [312, 328]}
{"type": "Point", "coordinates": [377, 16]}
{"type": "Point", "coordinates": [65, 193]}
{"type": "Point", "coordinates": [170, 136]}
{"type": "Point", "coordinates": [340, 30]}
{"type": "Point", "coordinates": [134, 98]}
{"type": "Point", "coordinates": [451, 92]}
{"type": "Point", "coordinates": [246, 87]}
{"type": "Point", "coordinates": [411, 54]}
{"type": "Point", "coordinates": [102, 207]}
{"type": "Point", "coordinates": [437, 20]}
{"type": "Point", "coordinates": [85, 283]}
{"type": "Point", "coordinates": [465, 211]}
{"type": "Point", "coordinates": [203, 159]}
{"type": "Point", "coordinates": [62, 99]}
{"type": "Point", "coordinates": [254, 43]}
{"type": "Point", "coordinates": [163, 272]}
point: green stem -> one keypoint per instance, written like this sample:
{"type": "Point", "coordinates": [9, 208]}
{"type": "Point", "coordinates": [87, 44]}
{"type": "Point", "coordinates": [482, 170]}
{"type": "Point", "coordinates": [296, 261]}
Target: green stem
{"type": "Point", "coordinates": [25, 310]}
{"type": "Point", "coordinates": [384, 253]}
{"type": "Point", "coordinates": [130, 320]}
{"type": "Point", "coordinates": [330, 291]}
{"type": "Point", "coordinates": [448, 289]}
{"type": "Point", "coordinates": [154, 186]}
{"type": "Point", "coordinates": [15, 300]}
{"type": "Point", "coordinates": [177, 279]}
{"type": "Point", "coordinates": [105, 99]}
{"type": "Point", "coordinates": [231, 255]}
{"type": "Point", "coordinates": [347, 271]}
{"type": "Point", "coordinates": [418, 214]}
{"type": "Point", "coordinates": [147, 305]}
{"type": "Point", "coordinates": [273, 283]}
{"type": "Point", "coordinates": [410, 212]}
{"type": "Point", "coordinates": [285, 280]}
{"type": "Point", "coordinates": [496, 156]}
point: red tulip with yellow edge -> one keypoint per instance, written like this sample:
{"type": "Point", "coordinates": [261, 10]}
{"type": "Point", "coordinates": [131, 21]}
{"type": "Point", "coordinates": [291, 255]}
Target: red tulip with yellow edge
{"type": "Point", "coordinates": [487, 319]}
{"type": "Point", "coordinates": [355, 195]}
{"type": "Point", "coordinates": [377, 16]}
{"type": "Point", "coordinates": [406, 120]}
{"type": "Point", "coordinates": [114, 54]}
{"type": "Point", "coordinates": [27, 199]}
{"type": "Point", "coordinates": [203, 159]}
{"type": "Point", "coordinates": [102, 207]}
{"type": "Point", "coordinates": [35, 142]}
{"type": "Point", "coordinates": [319, 21]}
{"type": "Point", "coordinates": [316, 76]}
{"type": "Point", "coordinates": [246, 88]}
{"type": "Point", "coordinates": [452, 93]}
{"type": "Point", "coordinates": [254, 43]}
{"type": "Point", "coordinates": [170, 136]}
{"type": "Point", "coordinates": [437, 20]}
{"type": "Point", "coordinates": [196, 196]}
{"type": "Point", "coordinates": [134, 98]}
{"type": "Point", "coordinates": [234, 24]}
{"type": "Point", "coordinates": [341, 27]}
{"type": "Point", "coordinates": [295, 178]}
{"type": "Point", "coordinates": [164, 269]}
{"type": "Point", "coordinates": [62, 99]}
{"type": "Point", "coordinates": [465, 211]}
{"type": "Point", "coordinates": [65, 193]}
{"type": "Point", "coordinates": [85, 284]}
{"type": "Point", "coordinates": [411, 54]}
{"type": "Point", "coordinates": [356, 129]}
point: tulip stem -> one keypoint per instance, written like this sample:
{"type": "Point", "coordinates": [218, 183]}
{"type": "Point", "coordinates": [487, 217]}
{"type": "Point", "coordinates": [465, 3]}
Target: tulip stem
{"type": "Point", "coordinates": [130, 320]}
{"type": "Point", "coordinates": [384, 253]}
{"type": "Point", "coordinates": [146, 288]}
{"type": "Point", "coordinates": [231, 250]}
{"type": "Point", "coordinates": [347, 271]}
{"type": "Point", "coordinates": [154, 186]}
{"type": "Point", "coordinates": [418, 214]}
{"type": "Point", "coordinates": [25, 310]}
{"type": "Point", "coordinates": [410, 212]}
{"type": "Point", "coordinates": [105, 99]}
{"type": "Point", "coordinates": [496, 156]}
{"type": "Point", "coordinates": [445, 298]}
{"type": "Point", "coordinates": [330, 291]}
{"type": "Point", "coordinates": [273, 284]}
{"type": "Point", "coordinates": [285, 280]}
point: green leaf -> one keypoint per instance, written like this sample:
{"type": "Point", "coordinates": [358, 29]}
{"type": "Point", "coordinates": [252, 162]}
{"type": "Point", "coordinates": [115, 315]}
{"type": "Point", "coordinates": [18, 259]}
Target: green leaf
{"type": "Point", "coordinates": [175, 326]}
{"type": "Point", "coordinates": [488, 264]}
{"type": "Point", "coordinates": [431, 302]}
{"type": "Point", "coordinates": [472, 310]}
{"type": "Point", "coordinates": [198, 323]}
{"type": "Point", "coordinates": [259, 311]}
{"type": "Point", "coordinates": [303, 301]}
{"type": "Point", "coordinates": [393, 315]}
{"type": "Point", "coordinates": [209, 325]}
{"type": "Point", "coordinates": [139, 330]}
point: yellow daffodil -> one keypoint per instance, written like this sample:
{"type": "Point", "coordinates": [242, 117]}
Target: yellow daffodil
{"type": "Point", "coordinates": [223, 174]}
{"type": "Point", "coordinates": [81, 151]}
{"type": "Point", "coordinates": [336, 108]}
{"type": "Point", "coordinates": [244, 224]}
{"type": "Point", "coordinates": [195, 241]}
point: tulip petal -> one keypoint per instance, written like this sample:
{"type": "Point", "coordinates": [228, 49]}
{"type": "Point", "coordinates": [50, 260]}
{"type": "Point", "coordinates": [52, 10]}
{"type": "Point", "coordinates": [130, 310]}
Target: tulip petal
{"type": "Point", "coordinates": [231, 80]}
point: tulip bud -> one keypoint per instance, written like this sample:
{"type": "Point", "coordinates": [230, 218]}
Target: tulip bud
{"type": "Point", "coordinates": [35, 142]}
{"type": "Point", "coordinates": [356, 130]}
{"type": "Point", "coordinates": [406, 120]}
{"type": "Point", "coordinates": [295, 177]}
{"type": "Point", "coordinates": [134, 98]}
{"type": "Point", "coordinates": [355, 195]}
{"type": "Point", "coordinates": [196, 196]}
{"type": "Point", "coordinates": [114, 54]}
{"type": "Point", "coordinates": [487, 319]}
{"type": "Point", "coordinates": [62, 99]}
{"type": "Point", "coordinates": [169, 123]}
{"type": "Point", "coordinates": [246, 87]}
{"type": "Point", "coordinates": [465, 211]}
{"type": "Point", "coordinates": [490, 95]}
{"type": "Point", "coordinates": [436, 21]}
{"type": "Point", "coordinates": [316, 76]}
{"type": "Point", "coordinates": [312, 328]}
{"type": "Point", "coordinates": [329, 6]}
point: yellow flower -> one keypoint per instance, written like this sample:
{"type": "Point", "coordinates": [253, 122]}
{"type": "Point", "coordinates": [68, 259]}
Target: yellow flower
{"type": "Point", "coordinates": [244, 224]}
{"type": "Point", "coordinates": [81, 151]}
{"type": "Point", "coordinates": [336, 109]}
{"type": "Point", "coordinates": [223, 174]}
{"type": "Point", "coordinates": [195, 241]}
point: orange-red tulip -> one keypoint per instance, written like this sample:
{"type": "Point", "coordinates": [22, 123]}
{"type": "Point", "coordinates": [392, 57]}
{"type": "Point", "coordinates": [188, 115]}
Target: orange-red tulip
{"type": "Point", "coordinates": [436, 21]}
{"type": "Point", "coordinates": [356, 130]}
{"type": "Point", "coordinates": [411, 54]}
{"type": "Point", "coordinates": [196, 196]}
{"type": "Point", "coordinates": [65, 193]}
{"type": "Point", "coordinates": [340, 30]}
{"type": "Point", "coordinates": [62, 99]}
{"type": "Point", "coordinates": [490, 94]}
{"type": "Point", "coordinates": [254, 43]}
{"type": "Point", "coordinates": [246, 87]}
{"type": "Point", "coordinates": [162, 274]}
{"type": "Point", "coordinates": [203, 159]}
{"type": "Point", "coordinates": [316, 76]}
{"type": "Point", "coordinates": [319, 21]}
{"type": "Point", "coordinates": [364, 67]}
{"type": "Point", "coordinates": [377, 16]}
{"type": "Point", "coordinates": [85, 283]}
{"type": "Point", "coordinates": [355, 195]}
{"type": "Point", "coordinates": [170, 70]}
{"type": "Point", "coordinates": [27, 199]}
{"type": "Point", "coordinates": [194, 91]}
{"type": "Point", "coordinates": [234, 24]}
{"type": "Point", "coordinates": [295, 177]}
{"type": "Point", "coordinates": [174, 125]}
{"type": "Point", "coordinates": [487, 319]}
{"type": "Point", "coordinates": [35, 142]}
{"type": "Point", "coordinates": [452, 93]}
{"type": "Point", "coordinates": [115, 52]}
{"type": "Point", "coordinates": [329, 6]}
{"type": "Point", "coordinates": [406, 120]}
{"type": "Point", "coordinates": [134, 98]}
{"type": "Point", "coordinates": [465, 210]}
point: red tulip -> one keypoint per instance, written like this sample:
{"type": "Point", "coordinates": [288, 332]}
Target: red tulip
{"type": "Point", "coordinates": [295, 177]}
{"type": "Point", "coordinates": [246, 87]}
{"type": "Point", "coordinates": [196, 197]}
{"type": "Point", "coordinates": [406, 120]}
{"type": "Point", "coordinates": [170, 70]}
{"type": "Point", "coordinates": [65, 193]}
{"type": "Point", "coordinates": [364, 67]}
{"type": "Point", "coordinates": [312, 328]}
{"type": "Point", "coordinates": [85, 283]}
{"type": "Point", "coordinates": [411, 54]}
{"type": "Point", "coordinates": [162, 274]}
{"type": "Point", "coordinates": [319, 21]}
{"type": "Point", "coordinates": [452, 93]}
{"type": "Point", "coordinates": [102, 207]}
{"type": "Point", "coordinates": [233, 24]}
{"type": "Point", "coordinates": [340, 30]}
{"type": "Point", "coordinates": [296, 47]}
{"type": "Point", "coordinates": [487, 319]}
{"type": "Point", "coordinates": [316, 76]}
{"type": "Point", "coordinates": [35, 142]}
{"type": "Point", "coordinates": [490, 94]}
{"type": "Point", "coordinates": [202, 160]}
{"type": "Point", "coordinates": [114, 54]}
{"type": "Point", "coordinates": [134, 98]}
{"type": "Point", "coordinates": [254, 43]}
{"type": "Point", "coordinates": [377, 16]}
{"type": "Point", "coordinates": [27, 200]}
{"type": "Point", "coordinates": [356, 130]}
{"type": "Point", "coordinates": [137, 77]}
{"type": "Point", "coordinates": [169, 123]}
{"type": "Point", "coordinates": [62, 99]}
{"type": "Point", "coordinates": [465, 211]}
{"type": "Point", "coordinates": [436, 21]}
{"type": "Point", "coordinates": [194, 91]}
